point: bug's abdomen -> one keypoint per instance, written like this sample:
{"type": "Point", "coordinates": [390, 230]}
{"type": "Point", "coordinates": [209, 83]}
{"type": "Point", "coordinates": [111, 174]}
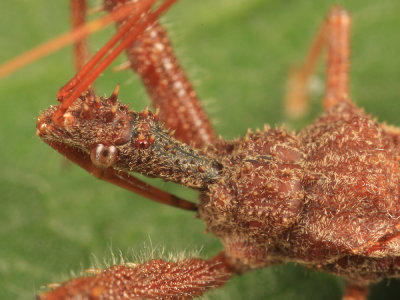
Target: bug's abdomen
{"type": "Point", "coordinates": [351, 183]}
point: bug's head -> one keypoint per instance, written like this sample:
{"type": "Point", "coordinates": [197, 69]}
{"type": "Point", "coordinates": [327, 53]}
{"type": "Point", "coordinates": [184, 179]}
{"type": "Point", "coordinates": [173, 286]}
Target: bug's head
{"type": "Point", "coordinates": [105, 132]}
{"type": "Point", "coordinates": [97, 126]}
{"type": "Point", "coordinates": [88, 121]}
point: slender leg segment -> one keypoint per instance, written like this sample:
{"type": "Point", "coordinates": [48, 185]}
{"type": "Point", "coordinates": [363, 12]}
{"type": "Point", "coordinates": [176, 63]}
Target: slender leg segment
{"type": "Point", "coordinates": [296, 101]}
{"type": "Point", "coordinates": [88, 74]}
{"type": "Point", "coordinates": [78, 10]}
{"type": "Point", "coordinates": [335, 35]}
{"type": "Point", "coordinates": [151, 55]}
{"type": "Point", "coordinates": [338, 46]}
{"type": "Point", "coordinates": [153, 58]}
{"type": "Point", "coordinates": [63, 40]}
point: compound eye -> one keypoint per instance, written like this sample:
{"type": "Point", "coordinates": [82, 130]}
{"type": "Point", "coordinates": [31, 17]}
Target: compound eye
{"type": "Point", "coordinates": [103, 156]}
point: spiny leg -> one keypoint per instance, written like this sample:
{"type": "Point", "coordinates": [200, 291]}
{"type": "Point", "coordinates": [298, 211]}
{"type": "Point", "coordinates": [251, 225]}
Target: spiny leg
{"type": "Point", "coordinates": [335, 35]}
{"type": "Point", "coordinates": [154, 279]}
{"type": "Point", "coordinates": [153, 58]}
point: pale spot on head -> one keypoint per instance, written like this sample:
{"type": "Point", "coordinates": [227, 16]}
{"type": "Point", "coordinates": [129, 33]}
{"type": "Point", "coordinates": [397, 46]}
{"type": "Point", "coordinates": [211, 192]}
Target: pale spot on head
{"type": "Point", "coordinates": [68, 119]}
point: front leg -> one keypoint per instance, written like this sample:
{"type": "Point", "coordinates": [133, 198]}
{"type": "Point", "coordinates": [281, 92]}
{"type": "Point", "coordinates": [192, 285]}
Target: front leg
{"type": "Point", "coordinates": [154, 279]}
{"type": "Point", "coordinates": [153, 58]}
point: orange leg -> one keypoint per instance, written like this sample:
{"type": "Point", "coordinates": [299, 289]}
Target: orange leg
{"type": "Point", "coordinates": [152, 57]}
{"type": "Point", "coordinates": [68, 94]}
{"type": "Point", "coordinates": [63, 40]}
{"type": "Point", "coordinates": [154, 279]}
{"type": "Point", "coordinates": [338, 43]}
{"type": "Point", "coordinates": [335, 35]}
{"type": "Point", "coordinates": [78, 18]}
{"type": "Point", "coordinates": [354, 292]}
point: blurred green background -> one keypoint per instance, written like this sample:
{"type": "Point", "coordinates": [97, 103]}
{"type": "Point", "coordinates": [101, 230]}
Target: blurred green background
{"type": "Point", "coordinates": [54, 217]}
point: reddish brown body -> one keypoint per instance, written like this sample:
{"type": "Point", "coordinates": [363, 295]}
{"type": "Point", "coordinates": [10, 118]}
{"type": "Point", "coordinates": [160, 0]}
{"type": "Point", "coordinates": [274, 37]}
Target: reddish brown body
{"type": "Point", "coordinates": [293, 203]}
{"type": "Point", "coordinates": [325, 197]}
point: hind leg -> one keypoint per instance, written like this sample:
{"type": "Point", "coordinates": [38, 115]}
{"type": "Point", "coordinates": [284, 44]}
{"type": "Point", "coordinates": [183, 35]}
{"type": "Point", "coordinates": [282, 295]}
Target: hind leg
{"type": "Point", "coordinates": [334, 34]}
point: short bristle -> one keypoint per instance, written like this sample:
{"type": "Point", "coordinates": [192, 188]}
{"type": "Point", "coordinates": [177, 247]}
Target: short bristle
{"type": "Point", "coordinates": [145, 112]}
{"type": "Point", "coordinates": [156, 115]}
{"type": "Point", "coordinates": [114, 96]}
{"type": "Point", "coordinates": [122, 67]}
{"type": "Point", "coordinates": [95, 10]}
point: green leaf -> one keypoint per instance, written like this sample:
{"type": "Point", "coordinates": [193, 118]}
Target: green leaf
{"type": "Point", "coordinates": [54, 217]}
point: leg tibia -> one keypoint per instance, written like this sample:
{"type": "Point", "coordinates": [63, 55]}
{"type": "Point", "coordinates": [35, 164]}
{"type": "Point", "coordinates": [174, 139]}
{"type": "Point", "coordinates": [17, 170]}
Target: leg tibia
{"type": "Point", "coordinates": [78, 18]}
{"type": "Point", "coordinates": [335, 35]}
{"type": "Point", "coordinates": [338, 48]}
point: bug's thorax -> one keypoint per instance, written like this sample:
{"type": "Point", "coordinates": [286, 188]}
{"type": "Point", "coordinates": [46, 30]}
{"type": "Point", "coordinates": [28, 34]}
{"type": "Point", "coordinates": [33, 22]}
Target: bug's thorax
{"type": "Point", "coordinates": [259, 195]}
